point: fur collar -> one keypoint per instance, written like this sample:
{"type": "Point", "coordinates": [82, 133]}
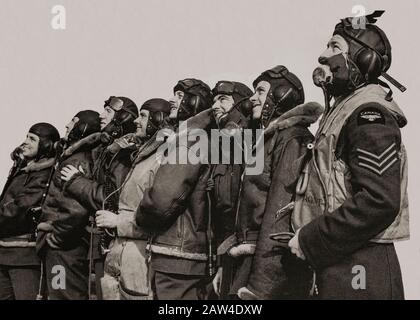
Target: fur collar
{"type": "Point", "coordinates": [39, 165]}
{"type": "Point", "coordinates": [201, 120]}
{"type": "Point", "coordinates": [129, 141]}
{"type": "Point", "coordinates": [90, 141]}
{"type": "Point", "coordinates": [304, 114]}
{"type": "Point", "coordinates": [146, 149]}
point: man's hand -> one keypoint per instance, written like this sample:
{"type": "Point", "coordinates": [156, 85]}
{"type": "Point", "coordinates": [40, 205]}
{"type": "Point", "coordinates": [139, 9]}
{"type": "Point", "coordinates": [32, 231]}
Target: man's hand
{"type": "Point", "coordinates": [295, 247]}
{"type": "Point", "coordinates": [106, 219]}
{"type": "Point", "coordinates": [217, 281]}
{"type": "Point", "coordinates": [69, 171]}
{"type": "Point", "coordinates": [45, 226]}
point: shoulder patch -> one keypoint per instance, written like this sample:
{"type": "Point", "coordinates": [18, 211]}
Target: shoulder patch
{"type": "Point", "coordinates": [370, 115]}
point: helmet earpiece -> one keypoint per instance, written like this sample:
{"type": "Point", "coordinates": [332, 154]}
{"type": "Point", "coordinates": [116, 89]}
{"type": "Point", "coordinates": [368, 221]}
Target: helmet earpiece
{"type": "Point", "coordinates": [49, 146]}
{"type": "Point", "coordinates": [246, 107]}
{"type": "Point", "coordinates": [155, 122]}
{"type": "Point", "coordinates": [369, 63]}
{"type": "Point", "coordinates": [197, 104]}
{"type": "Point", "coordinates": [46, 149]}
{"type": "Point", "coordinates": [279, 94]}
{"type": "Point", "coordinates": [188, 106]}
{"type": "Point", "coordinates": [157, 117]}
{"type": "Point", "coordinates": [194, 102]}
{"type": "Point", "coordinates": [117, 128]}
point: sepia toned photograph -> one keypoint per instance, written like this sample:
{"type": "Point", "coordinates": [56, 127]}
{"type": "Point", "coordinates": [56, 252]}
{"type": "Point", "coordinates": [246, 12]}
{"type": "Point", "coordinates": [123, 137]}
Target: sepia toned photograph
{"type": "Point", "coordinates": [228, 152]}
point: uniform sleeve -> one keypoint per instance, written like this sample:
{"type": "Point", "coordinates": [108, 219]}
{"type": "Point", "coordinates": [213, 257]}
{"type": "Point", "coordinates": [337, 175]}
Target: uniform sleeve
{"type": "Point", "coordinates": [168, 197]}
{"type": "Point", "coordinates": [14, 213]}
{"type": "Point", "coordinates": [371, 139]}
{"type": "Point", "coordinates": [126, 221]}
{"type": "Point", "coordinates": [92, 194]}
{"type": "Point", "coordinates": [89, 192]}
{"type": "Point", "coordinates": [127, 227]}
{"type": "Point", "coordinates": [29, 197]}
{"type": "Point", "coordinates": [78, 216]}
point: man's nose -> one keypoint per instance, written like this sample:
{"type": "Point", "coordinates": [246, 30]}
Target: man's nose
{"type": "Point", "coordinates": [324, 56]}
{"type": "Point", "coordinates": [253, 98]}
{"type": "Point", "coordinates": [171, 100]}
{"type": "Point", "coordinates": [215, 105]}
{"type": "Point", "coordinates": [322, 60]}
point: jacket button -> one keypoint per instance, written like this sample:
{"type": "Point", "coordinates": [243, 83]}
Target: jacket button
{"type": "Point", "coordinates": [310, 146]}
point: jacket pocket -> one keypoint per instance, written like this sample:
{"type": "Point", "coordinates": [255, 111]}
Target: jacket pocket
{"type": "Point", "coordinates": [222, 188]}
{"type": "Point", "coordinates": [134, 273]}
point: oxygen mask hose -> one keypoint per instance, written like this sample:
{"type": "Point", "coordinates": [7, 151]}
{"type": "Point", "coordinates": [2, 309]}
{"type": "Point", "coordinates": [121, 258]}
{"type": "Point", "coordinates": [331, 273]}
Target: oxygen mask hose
{"type": "Point", "coordinates": [321, 77]}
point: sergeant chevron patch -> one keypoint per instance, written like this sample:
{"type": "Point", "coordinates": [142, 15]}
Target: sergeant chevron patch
{"type": "Point", "coordinates": [378, 163]}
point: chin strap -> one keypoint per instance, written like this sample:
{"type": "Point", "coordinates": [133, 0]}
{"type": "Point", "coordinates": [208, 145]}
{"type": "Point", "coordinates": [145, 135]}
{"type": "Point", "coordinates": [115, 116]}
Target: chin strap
{"type": "Point", "coordinates": [327, 97]}
{"type": "Point", "coordinates": [394, 82]}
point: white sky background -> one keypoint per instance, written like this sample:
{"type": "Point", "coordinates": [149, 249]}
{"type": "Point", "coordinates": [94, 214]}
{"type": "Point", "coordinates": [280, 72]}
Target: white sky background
{"type": "Point", "coordinates": [140, 49]}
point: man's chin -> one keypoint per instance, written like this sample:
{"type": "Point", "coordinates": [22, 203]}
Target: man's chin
{"type": "Point", "coordinates": [28, 156]}
{"type": "Point", "coordinates": [140, 135]}
{"type": "Point", "coordinates": [218, 116]}
{"type": "Point", "coordinates": [338, 89]}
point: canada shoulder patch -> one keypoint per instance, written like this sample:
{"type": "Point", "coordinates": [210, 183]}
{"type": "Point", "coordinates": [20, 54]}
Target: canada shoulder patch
{"type": "Point", "coordinates": [370, 115]}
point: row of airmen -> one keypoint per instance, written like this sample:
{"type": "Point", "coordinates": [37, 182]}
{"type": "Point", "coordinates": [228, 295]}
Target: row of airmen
{"type": "Point", "coordinates": [97, 213]}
